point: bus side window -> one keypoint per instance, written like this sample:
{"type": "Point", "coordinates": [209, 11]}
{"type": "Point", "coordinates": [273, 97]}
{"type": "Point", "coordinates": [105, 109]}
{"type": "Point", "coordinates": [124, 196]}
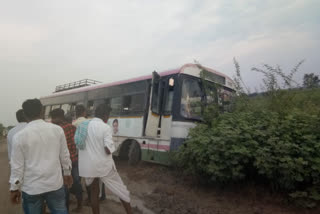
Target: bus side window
{"type": "Point", "coordinates": [126, 105]}
{"type": "Point", "coordinates": [157, 95]}
{"type": "Point", "coordinates": [211, 93]}
{"type": "Point", "coordinates": [107, 101]}
{"type": "Point", "coordinates": [101, 101]}
{"type": "Point", "coordinates": [133, 104]}
{"type": "Point", "coordinates": [116, 103]}
{"type": "Point", "coordinates": [92, 105]}
{"type": "Point", "coordinates": [66, 108]}
{"type": "Point", "coordinates": [169, 97]}
{"type": "Point", "coordinates": [90, 108]}
{"type": "Point", "coordinates": [55, 107]}
{"type": "Point", "coordinates": [137, 103]}
{"type": "Point", "coordinates": [72, 110]}
{"type": "Point", "coordinates": [46, 112]}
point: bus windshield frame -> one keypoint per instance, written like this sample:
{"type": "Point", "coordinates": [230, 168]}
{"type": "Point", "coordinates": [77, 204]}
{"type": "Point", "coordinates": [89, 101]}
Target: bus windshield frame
{"type": "Point", "coordinates": [196, 94]}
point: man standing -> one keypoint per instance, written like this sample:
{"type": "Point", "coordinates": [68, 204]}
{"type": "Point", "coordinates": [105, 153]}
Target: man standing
{"type": "Point", "coordinates": [96, 162]}
{"type": "Point", "coordinates": [57, 117]}
{"type": "Point", "coordinates": [80, 115]}
{"type": "Point", "coordinates": [38, 153]}
{"type": "Point", "coordinates": [21, 125]}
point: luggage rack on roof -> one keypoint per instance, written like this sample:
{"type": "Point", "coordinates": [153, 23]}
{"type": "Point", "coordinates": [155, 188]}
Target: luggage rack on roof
{"type": "Point", "coordinates": [77, 84]}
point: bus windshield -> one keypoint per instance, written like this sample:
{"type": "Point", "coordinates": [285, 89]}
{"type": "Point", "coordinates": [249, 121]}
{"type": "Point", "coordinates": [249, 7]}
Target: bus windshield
{"type": "Point", "coordinates": [196, 95]}
{"type": "Point", "coordinates": [191, 99]}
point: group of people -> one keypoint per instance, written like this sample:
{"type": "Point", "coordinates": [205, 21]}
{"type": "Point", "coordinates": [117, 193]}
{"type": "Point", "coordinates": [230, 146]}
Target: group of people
{"type": "Point", "coordinates": [47, 162]}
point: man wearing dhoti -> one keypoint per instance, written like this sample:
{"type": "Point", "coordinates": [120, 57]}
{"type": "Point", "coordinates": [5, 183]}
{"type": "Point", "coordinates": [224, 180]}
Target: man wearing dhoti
{"type": "Point", "coordinates": [95, 158]}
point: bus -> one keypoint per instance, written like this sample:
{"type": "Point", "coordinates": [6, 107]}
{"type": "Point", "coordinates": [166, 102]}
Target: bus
{"type": "Point", "coordinates": [151, 115]}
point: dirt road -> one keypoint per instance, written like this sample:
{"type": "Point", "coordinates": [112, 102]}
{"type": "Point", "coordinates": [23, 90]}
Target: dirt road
{"type": "Point", "coordinates": [112, 205]}
{"type": "Point", "coordinates": [168, 192]}
{"type": "Point", "coordinates": [157, 189]}
{"type": "Point", "coordinates": [5, 205]}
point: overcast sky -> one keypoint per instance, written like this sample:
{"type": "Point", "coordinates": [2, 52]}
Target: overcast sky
{"type": "Point", "coordinates": [46, 43]}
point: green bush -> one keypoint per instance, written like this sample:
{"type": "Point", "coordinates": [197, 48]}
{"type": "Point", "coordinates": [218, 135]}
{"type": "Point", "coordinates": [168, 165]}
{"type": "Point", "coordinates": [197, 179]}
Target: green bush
{"type": "Point", "coordinates": [286, 150]}
{"type": "Point", "coordinates": [274, 138]}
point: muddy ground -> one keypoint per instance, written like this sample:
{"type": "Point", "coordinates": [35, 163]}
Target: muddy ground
{"type": "Point", "coordinates": [158, 189]}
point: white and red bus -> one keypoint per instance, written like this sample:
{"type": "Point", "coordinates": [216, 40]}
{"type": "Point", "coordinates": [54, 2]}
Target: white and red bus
{"type": "Point", "coordinates": [151, 115]}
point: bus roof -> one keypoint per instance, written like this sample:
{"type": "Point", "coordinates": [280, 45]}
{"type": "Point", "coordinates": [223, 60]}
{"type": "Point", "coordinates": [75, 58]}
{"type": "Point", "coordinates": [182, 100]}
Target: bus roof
{"type": "Point", "coordinates": [146, 77]}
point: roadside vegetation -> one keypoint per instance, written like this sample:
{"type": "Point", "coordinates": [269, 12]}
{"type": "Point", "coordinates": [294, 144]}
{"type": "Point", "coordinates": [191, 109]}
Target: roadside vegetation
{"type": "Point", "coordinates": [270, 138]}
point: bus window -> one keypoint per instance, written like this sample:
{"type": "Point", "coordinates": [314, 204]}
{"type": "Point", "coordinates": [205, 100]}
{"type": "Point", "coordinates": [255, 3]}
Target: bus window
{"type": "Point", "coordinates": [66, 108]}
{"type": "Point", "coordinates": [90, 108]}
{"type": "Point", "coordinates": [137, 103]}
{"type": "Point", "coordinates": [169, 97]}
{"type": "Point", "coordinates": [101, 101]}
{"type": "Point", "coordinates": [72, 109]}
{"type": "Point", "coordinates": [133, 104]}
{"type": "Point", "coordinates": [157, 86]}
{"type": "Point", "coordinates": [211, 93]}
{"type": "Point", "coordinates": [155, 106]}
{"type": "Point", "coordinates": [116, 106]}
{"type": "Point", "coordinates": [225, 97]}
{"type": "Point", "coordinates": [90, 105]}
{"type": "Point", "coordinates": [126, 104]}
{"type": "Point", "coordinates": [55, 107]}
{"type": "Point", "coordinates": [107, 101]}
{"type": "Point", "coordinates": [191, 98]}
{"type": "Point", "coordinates": [47, 111]}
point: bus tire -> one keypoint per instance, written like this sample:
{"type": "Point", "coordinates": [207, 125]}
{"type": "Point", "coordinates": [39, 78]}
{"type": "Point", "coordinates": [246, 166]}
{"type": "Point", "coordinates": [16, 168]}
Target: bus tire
{"type": "Point", "coordinates": [134, 154]}
{"type": "Point", "coordinates": [124, 150]}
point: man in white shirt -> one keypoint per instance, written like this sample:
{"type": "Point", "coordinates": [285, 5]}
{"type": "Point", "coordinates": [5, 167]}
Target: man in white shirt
{"type": "Point", "coordinates": [81, 115]}
{"type": "Point", "coordinates": [39, 151]}
{"type": "Point", "coordinates": [96, 162]}
{"type": "Point", "coordinates": [22, 122]}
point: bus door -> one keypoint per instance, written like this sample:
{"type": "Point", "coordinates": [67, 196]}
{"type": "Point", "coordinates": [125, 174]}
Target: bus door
{"type": "Point", "coordinates": [160, 118]}
{"type": "Point", "coordinates": [153, 118]}
{"type": "Point", "coordinates": [166, 113]}
{"type": "Point", "coordinates": [165, 123]}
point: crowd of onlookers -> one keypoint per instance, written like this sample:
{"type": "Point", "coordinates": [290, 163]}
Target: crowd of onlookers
{"type": "Point", "coordinates": [48, 160]}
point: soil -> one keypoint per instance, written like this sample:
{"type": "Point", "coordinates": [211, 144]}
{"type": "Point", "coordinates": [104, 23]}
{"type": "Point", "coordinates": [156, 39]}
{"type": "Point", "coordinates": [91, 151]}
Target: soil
{"type": "Point", "coordinates": [166, 191]}
{"type": "Point", "coordinates": [159, 189]}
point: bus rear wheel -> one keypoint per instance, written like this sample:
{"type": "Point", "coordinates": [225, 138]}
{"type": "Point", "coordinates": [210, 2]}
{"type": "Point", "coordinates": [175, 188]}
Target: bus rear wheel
{"type": "Point", "coordinates": [134, 155]}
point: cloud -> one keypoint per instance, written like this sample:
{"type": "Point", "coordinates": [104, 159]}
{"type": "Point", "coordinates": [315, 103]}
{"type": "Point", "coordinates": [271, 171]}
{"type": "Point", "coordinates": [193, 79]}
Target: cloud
{"type": "Point", "coordinates": [46, 43]}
